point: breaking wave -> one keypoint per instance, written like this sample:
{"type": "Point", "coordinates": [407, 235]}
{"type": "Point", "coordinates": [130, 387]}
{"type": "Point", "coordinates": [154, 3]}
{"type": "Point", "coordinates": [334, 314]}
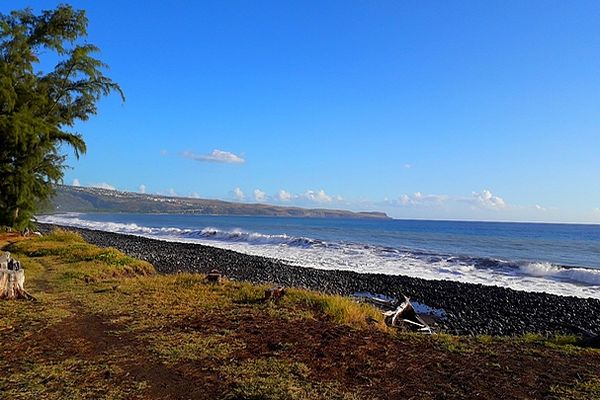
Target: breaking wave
{"type": "Point", "coordinates": [238, 235]}
{"type": "Point", "coordinates": [528, 276]}
{"type": "Point", "coordinates": [547, 270]}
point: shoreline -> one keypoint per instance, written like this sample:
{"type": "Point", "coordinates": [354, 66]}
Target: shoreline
{"type": "Point", "coordinates": [471, 309]}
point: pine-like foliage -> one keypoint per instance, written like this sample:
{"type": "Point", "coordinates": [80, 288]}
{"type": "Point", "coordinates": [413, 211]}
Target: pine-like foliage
{"type": "Point", "coordinates": [38, 110]}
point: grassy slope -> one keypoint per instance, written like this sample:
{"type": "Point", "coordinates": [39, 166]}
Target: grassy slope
{"type": "Point", "coordinates": [106, 326]}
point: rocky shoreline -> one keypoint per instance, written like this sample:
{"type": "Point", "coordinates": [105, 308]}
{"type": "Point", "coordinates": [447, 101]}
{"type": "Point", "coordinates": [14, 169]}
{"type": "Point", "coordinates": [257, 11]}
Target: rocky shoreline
{"type": "Point", "coordinates": [471, 309]}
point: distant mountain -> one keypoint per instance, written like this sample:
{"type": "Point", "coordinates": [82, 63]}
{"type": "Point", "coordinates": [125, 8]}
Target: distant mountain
{"type": "Point", "coordinates": [85, 199]}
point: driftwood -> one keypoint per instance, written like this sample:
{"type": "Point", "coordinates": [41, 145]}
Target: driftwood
{"type": "Point", "coordinates": [12, 279]}
{"type": "Point", "coordinates": [405, 317]}
{"type": "Point", "coordinates": [27, 232]}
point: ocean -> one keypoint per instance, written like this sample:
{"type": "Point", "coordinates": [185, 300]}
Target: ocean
{"type": "Point", "coordinates": [562, 259]}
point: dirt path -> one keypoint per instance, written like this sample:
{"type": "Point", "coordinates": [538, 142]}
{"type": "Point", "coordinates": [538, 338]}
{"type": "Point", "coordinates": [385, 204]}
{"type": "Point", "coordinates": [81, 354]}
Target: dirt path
{"type": "Point", "coordinates": [91, 338]}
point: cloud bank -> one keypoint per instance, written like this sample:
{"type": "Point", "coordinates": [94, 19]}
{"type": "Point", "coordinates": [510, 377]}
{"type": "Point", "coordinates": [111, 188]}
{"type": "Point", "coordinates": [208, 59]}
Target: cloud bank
{"type": "Point", "coordinates": [307, 198]}
{"type": "Point", "coordinates": [478, 200]}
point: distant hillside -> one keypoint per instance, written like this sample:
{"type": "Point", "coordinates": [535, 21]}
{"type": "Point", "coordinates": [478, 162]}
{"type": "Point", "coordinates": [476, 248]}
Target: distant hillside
{"type": "Point", "coordinates": [83, 199]}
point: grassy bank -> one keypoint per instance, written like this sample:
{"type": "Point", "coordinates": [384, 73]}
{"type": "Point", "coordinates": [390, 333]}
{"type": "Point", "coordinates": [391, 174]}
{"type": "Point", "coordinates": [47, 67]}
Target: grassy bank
{"type": "Point", "coordinates": [107, 326]}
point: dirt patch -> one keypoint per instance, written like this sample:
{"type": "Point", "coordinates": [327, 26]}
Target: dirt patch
{"type": "Point", "coordinates": [418, 367]}
{"type": "Point", "coordinates": [91, 338]}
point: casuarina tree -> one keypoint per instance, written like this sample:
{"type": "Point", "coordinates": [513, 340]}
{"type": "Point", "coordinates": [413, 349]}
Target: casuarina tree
{"type": "Point", "coordinates": [38, 108]}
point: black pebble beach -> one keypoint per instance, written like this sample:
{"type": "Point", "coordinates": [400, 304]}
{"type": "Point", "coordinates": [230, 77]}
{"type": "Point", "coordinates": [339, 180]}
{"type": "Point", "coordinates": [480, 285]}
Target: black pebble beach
{"type": "Point", "coordinates": [471, 309]}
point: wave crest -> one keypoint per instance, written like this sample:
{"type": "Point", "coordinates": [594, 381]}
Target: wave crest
{"type": "Point", "coordinates": [239, 235]}
{"type": "Point", "coordinates": [548, 270]}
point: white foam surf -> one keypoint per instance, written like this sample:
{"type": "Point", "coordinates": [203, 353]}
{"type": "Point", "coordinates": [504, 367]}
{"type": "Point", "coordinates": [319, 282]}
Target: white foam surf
{"type": "Point", "coordinates": [547, 270]}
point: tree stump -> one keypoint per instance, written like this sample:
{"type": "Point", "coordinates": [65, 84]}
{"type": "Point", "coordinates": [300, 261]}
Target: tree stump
{"type": "Point", "coordinates": [12, 279]}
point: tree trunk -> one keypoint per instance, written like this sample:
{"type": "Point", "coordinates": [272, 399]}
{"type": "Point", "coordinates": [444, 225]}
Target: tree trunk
{"type": "Point", "coordinates": [11, 285]}
{"type": "Point", "coordinates": [16, 216]}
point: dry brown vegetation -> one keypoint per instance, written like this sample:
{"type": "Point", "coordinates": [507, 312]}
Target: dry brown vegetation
{"type": "Point", "coordinates": [106, 326]}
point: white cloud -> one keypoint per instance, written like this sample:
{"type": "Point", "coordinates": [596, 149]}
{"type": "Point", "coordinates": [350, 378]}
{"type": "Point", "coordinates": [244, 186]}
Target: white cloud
{"type": "Point", "coordinates": [317, 196]}
{"type": "Point", "coordinates": [76, 182]}
{"type": "Point", "coordinates": [238, 194]}
{"type": "Point", "coordinates": [164, 153]}
{"type": "Point", "coordinates": [488, 200]}
{"type": "Point", "coordinates": [216, 155]}
{"type": "Point", "coordinates": [419, 199]}
{"type": "Point", "coordinates": [142, 189]}
{"type": "Point", "coordinates": [304, 199]}
{"type": "Point", "coordinates": [406, 200]}
{"type": "Point", "coordinates": [283, 195]}
{"type": "Point", "coordinates": [407, 166]}
{"type": "Point", "coordinates": [195, 195]}
{"type": "Point", "coordinates": [259, 195]}
{"type": "Point", "coordinates": [103, 185]}
{"type": "Point", "coordinates": [484, 200]}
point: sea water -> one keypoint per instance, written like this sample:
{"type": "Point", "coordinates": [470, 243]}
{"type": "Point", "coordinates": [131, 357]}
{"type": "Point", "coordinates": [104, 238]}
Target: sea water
{"type": "Point", "coordinates": [562, 259]}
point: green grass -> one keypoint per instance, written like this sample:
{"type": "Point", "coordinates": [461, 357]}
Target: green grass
{"type": "Point", "coordinates": [339, 309]}
{"type": "Point", "coordinates": [582, 390]}
{"type": "Point", "coordinates": [78, 260]}
{"type": "Point", "coordinates": [72, 379]}
{"type": "Point", "coordinates": [178, 347]}
{"type": "Point", "coordinates": [276, 379]}
{"type": "Point", "coordinates": [568, 343]}
{"type": "Point", "coordinates": [62, 235]}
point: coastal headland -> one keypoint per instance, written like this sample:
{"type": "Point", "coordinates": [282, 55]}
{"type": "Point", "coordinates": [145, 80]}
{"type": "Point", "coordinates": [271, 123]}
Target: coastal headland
{"type": "Point", "coordinates": [90, 199]}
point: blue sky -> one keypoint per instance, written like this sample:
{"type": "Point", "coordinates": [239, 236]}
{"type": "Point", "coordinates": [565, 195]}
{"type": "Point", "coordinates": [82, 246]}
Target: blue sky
{"type": "Point", "coordinates": [456, 110]}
